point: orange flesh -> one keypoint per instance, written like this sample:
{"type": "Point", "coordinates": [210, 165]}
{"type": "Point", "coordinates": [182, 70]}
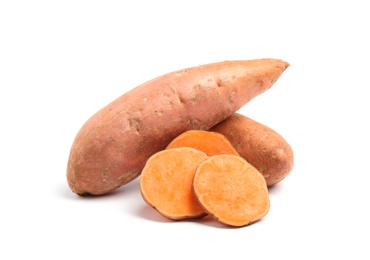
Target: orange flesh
{"type": "Point", "coordinates": [166, 183]}
{"type": "Point", "coordinates": [209, 142]}
{"type": "Point", "coordinates": [231, 190]}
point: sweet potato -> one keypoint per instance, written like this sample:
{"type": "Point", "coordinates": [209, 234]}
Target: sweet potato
{"type": "Point", "coordinates": [112, 147]}
{"type": "Point", "coordinates": [260, 145]}
{"type": "Point", "coordinates": [231, 190]}
{"type": "Point", "coordinates": [211, 143]}
{"type": "Point", "coordinates": [166, 182]}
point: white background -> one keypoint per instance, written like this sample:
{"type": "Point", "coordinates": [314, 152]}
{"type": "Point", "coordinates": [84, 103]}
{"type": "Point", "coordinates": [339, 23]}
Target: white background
{"type": "Point", "coordinates": [61, 61]}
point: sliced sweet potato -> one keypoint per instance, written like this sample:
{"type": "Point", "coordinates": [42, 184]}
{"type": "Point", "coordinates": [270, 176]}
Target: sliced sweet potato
{"type": "Point", "coordinates": [166, 182]}
{"type": "Point", "coordinates": [231, 190]}
{"type": "Point", "coordinates": [209, 142]}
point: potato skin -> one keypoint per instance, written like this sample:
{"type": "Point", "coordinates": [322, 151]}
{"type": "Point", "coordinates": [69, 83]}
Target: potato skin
{"type": "Point", "coordinates": [112, 147]}
{"type": "Point", "coordinates": [260, 145]}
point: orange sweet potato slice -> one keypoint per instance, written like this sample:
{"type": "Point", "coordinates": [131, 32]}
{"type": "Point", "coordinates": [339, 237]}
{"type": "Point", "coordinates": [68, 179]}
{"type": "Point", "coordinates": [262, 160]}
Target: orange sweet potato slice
{"type": "Point", "coordinates": [166, 182]}
{"type": "Point", "coordinates": [231, 190]}
{"type": "Point", "coordinates": [211, 143]}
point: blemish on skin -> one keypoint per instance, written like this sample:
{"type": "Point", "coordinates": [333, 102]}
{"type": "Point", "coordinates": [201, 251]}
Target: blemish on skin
{"type": "Point", "coordinates": [158, 112]}
{"type": "Point", "coordinates": [134, 124]}
{"type": "Point", "coordinates": [181, 100]}
{"type": "Point", "coordinates": [261, 139]}
{"type": "Point", "coordinates": [121, 111]}
{"type": "Point", "coordinates": [262, 170]}
{"type": "Point", "coordinates": [260, 83]}
{"type": "Point", "coordinates": [219, 82]}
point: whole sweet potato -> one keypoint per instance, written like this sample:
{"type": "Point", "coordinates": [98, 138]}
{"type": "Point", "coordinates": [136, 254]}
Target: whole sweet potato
{"type": "Point", "coordinates": [260, 145]}
{"type": "Point", "coordinates": [113, 146]}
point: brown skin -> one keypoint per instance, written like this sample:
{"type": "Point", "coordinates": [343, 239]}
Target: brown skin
{"type": "Point", "coordinates": [211, 143]}
{"type": "Point", "coordinates": [231, 190]}
{"type": "Point", "coordinates": [260, 145]}
{"type": "Point", "coordinates": [113, 146]}
{"type": "Point", "coordinates": [166, 183]}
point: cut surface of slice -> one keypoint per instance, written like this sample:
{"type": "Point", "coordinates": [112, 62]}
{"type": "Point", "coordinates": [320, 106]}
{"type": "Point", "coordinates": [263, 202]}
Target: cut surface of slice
{"type": "Point", "coordinates": [211, 143]}
{"type": "Point", "coordinates": [231, 190]}
{"type": "Point", "coordinates": [166, 182]}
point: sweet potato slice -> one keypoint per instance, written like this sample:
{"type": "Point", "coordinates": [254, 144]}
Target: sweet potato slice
{"type": "Point", "coordinates": [209, 142]}
{"type": "Point", "coordinates": [231, 190]}
{"type": "Point", "coordinates": [166, 182]}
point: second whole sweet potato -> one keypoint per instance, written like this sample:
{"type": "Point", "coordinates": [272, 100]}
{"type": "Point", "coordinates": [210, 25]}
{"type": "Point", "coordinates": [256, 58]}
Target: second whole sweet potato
{"type": "Point", "coordinates": [260, 145]}
{"type": "Point", "coordinates": [113, 146]}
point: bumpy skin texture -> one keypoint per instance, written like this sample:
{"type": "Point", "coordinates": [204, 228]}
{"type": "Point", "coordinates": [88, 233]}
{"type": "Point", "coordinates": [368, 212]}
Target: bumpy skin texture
{"type": "Point", "coordinates": [260, 145]}
{"type": "Point", "coordinates": [112, 147]}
